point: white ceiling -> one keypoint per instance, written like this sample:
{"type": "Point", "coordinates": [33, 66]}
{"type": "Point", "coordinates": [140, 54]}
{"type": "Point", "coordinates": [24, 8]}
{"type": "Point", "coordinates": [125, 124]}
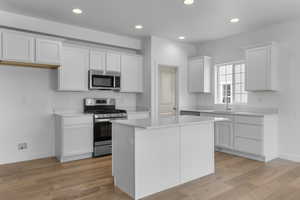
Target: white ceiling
{"type": "Point", "coordinates": [205, 20]}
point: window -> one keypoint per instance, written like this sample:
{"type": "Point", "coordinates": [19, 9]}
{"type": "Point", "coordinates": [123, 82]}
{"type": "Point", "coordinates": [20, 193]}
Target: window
{"type": "Point", "coordinates": [230, 83]}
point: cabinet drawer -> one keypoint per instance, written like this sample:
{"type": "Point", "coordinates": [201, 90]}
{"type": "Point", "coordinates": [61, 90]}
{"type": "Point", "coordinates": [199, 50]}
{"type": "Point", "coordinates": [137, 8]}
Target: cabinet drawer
{"type": "Point", "coordinates": [249, 131]}
{"type": "Point", "coordinates": [250, 120]}
{"type": "Point", "coordinates": [229, 117]}
{"type": "Point", "coordinates": [248, 145]}
{"type": "Point", "coordinates": [77, 120]}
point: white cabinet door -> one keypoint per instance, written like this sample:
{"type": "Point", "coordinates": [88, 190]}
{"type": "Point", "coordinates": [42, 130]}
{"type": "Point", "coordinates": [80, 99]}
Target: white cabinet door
{"type": "Point", "coordinates": [224, 134]}
{"type": "Point", "coordinates": [97, 60]}
{"type": "Point", "coordinates": [113, 62]}
{"type": "Point", "coordinates": [17, 47]}
{"type": "Point", "coordinates": [257, 61]}
{"type": "Point", "coordinates": [77, 140]}
{"type": "Point", "coordinates": [262, 68]}
{"type": "Point", "coordinates": [73, 73]}
{"type": "Point", "coordinates": [199, 75]}
{"type": "Point", "coordinates": [48, 51]}
{"type": "Point", "coordinates": [131, 73]}
{"type": "Point", "coordinates": [197, 151]}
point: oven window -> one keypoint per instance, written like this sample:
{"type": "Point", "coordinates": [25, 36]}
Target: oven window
{"type": "Point", "coordinates": [103, 81]}
{"type": "Point", "coordinates": [102, 131]}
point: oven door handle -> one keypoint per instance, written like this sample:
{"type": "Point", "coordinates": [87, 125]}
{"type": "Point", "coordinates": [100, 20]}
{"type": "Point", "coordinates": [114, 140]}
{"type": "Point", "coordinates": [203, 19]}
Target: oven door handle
{"type": "Point", "coordinates": [101, 120]}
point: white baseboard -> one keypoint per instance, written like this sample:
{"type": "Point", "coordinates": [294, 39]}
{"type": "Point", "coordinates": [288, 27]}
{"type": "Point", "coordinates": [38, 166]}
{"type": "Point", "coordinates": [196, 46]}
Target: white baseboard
{"type": "Point", "coordinates": [75, 157]}
{"type": "Point", "coordinates": [241, 154]}
{"type": "Point", "coordinates": [26, 158]}
{"type": "Point", "coordinates": [290, 157]}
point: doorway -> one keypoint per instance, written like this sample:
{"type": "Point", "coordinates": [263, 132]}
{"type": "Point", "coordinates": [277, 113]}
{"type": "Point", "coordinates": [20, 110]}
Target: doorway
{"type": "Point", "coordinates": [167, 91]}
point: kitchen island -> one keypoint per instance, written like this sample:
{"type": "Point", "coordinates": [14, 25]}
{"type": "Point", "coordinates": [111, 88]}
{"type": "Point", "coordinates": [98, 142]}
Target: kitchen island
{"type": "Point", "coordinates": [152, 155]}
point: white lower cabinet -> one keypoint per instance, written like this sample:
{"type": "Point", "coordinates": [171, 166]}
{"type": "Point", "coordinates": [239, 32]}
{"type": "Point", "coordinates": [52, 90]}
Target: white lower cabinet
{"type": "Point", "coordinates": [254, 137]}
{"type": "Point", "coordinates": [74, 137]}
{"type": "Point", "coordinates": [246, 145]}
{"type": "Point", "coordinates": [224, 134]}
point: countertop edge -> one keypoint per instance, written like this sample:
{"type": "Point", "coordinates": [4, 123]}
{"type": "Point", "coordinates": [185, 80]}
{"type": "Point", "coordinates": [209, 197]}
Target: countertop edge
{"type": "Point", "coordinates": [240, 113]}
{"type": "Point", "coordinates": [127, 123]}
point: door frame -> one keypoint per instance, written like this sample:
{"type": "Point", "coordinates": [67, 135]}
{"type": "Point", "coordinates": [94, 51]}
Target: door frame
{"type": "Point", "coordinates": [176, 87]}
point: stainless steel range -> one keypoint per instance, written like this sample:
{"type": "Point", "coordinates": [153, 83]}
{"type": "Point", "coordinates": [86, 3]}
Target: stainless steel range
{"type": "Point", "coordinates": [104, 111]}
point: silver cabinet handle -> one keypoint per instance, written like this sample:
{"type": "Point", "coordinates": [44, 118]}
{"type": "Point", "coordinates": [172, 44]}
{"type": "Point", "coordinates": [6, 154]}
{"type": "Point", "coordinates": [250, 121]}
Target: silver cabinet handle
{"type": "Point", "coordinates": [102, 120]}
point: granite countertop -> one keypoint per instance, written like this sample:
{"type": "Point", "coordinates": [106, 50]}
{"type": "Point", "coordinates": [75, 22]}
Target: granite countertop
{"type": "Point", "coordinates": [259, 113]}
{"type": "Point", "coordinates": [167, 121]}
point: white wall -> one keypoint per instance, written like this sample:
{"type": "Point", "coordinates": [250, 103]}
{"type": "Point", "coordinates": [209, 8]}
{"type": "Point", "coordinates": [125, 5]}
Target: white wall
{"type": "Point", "coordinates": [170, 53]}
{"type": "Point", "coordinates": [27, 101]}
{"type": "Point", "coordinates": [287, 100]}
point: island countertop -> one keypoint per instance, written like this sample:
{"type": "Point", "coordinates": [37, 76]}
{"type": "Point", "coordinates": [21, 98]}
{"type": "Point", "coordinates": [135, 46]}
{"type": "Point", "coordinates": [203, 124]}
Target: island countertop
{"type": "Point", "coordinates": [167, 121]}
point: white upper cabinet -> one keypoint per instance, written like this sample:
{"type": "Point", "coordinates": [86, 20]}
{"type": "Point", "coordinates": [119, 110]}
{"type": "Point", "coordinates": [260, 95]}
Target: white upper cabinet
{"type": "Point", "coordinates": [47, 51]}
{"type": "Point", "coordinates": [261, 68]}
{"type": "Point", "coordinates": [73, 73]}
{"type": "Point", "coordinates": [132, 73]}
{"type": "Point", "coordinates": [97, 60]}
{"type": "Point", "coordinates": [199, 72]}
{"type": "Point", "coordinates": [113, 62]}
{"type": "Point", "coordinates": [17, 47]}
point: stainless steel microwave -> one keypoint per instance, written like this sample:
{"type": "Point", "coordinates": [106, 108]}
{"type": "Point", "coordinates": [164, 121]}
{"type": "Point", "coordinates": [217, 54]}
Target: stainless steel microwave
{"type": "Point", "coordinates": [98, 80]}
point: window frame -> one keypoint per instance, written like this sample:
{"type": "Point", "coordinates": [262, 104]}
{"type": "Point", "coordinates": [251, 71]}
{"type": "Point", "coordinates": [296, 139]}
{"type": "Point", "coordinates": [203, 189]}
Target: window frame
{"type": "Point", "coordinates": [216, 82]}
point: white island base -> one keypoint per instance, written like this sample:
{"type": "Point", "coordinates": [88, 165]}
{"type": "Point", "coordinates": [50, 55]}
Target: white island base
{"type": "Point", "coordinates": [152, 156]}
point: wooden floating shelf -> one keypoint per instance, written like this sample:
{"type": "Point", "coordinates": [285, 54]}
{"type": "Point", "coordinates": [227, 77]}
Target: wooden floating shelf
{"type": "Point", "coordinates": [33, 65]}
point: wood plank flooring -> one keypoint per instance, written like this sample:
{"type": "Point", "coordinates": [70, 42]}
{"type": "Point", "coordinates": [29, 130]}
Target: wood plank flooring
{"type": "Point", "coordinates": [236, 178]}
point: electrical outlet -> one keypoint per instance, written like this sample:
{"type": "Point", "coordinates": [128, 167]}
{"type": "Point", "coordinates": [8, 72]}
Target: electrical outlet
{"type": "Point", "coordinates": [22, 146]}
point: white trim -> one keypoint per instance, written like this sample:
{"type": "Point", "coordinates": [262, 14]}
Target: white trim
{"type": "Point", "coordinates": [48, 27]}
{"type": "Point", "coordinates": [290, 157]}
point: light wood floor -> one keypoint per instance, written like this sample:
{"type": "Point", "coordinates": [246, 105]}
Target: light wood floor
{"type": "Point", "coordinates": [235, 179]}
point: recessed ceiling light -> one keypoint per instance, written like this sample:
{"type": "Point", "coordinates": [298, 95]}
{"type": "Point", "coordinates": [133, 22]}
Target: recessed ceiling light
{"type": "Point", "coordinates": [77, 11]}
{"type": "Point", "coordinates": [138, 27]}
{"type": "Point", "coordinates": [234, 20]}
{"type": "Point", "coordinates": [188, 2]}
{"type": "Point", "coordinates": [181, 37]}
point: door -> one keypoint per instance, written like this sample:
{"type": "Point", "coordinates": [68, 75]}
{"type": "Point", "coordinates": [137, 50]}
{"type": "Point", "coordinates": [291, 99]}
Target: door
{"type": "Point", "coordinates": [132, 73]}
{"type": "Point", "coordinates": [224, 134]}
{"type": "Point", "coordinates": [196, 74]}
{"type": "Point", "coordinates": [48, 51]}
{"type": "Point", "coordinates": [257, 61]}
{"type": "Point", "coordinates": [17, 47]}
{"type": "Point", "coordinates": [113, 62]}
{"type": "Point", "coordinates": [73, 73]}
{"type": "Point", "coordinates": [97, 60]}
{"type": "Point", "coordinates": [167, 91]}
